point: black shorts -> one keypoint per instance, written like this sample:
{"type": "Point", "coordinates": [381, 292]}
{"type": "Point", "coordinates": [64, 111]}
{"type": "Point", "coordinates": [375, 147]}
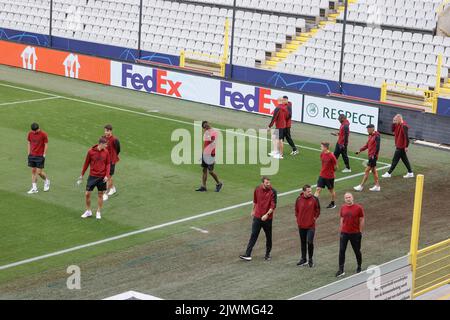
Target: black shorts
{"type": "Point", "coordinates": [209, 166]}
{"type": "Point", "coordinates": [36, 162]}
{"type": "Point", "coordinates": [281, 133]}
{"type": "Point", "coordinates": [112, 169]}
{"type": "Point", "coordinates": [95, 182]}
{"type": "Point", "coordinates": [322, 183]}
{"type": "Point", "coordinates": [372, 162]}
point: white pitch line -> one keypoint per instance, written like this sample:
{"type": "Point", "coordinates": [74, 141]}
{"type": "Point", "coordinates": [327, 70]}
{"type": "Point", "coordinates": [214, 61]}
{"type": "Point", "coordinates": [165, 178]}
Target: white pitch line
{"type": "Point", "coordinates": [27, 101]}
{"type": "Point", "coordinates": [160, 226]}
{"type": "Point", "coordinates": [199, 230]}
{"type": "Point", "coordinates": [161, 117]}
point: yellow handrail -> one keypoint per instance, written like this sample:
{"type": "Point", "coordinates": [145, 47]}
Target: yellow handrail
{"type": "Point", "coordinates": [416, 228]}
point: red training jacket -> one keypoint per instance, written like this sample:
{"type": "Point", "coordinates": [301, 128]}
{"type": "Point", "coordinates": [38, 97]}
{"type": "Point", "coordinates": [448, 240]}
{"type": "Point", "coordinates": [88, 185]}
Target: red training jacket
{"type": "Point", "coordinates": [307, 210]}
{"type": "Point", "coordinates": [401, 135]}
{"type": "Point", "coordinates": [98, 161]}
{"type": "Point", "coordinates": [373, 144]}
{"type": "Point", "coordinates": [264, 200]}
{"type": "Point", "coordinates": [279, 117]}
{"type": "Point", "coordinates": [344, 133]}
{"type": "Point", "coordinates": [289, 119]}
{"type": "Point", "coordinates": [113, 148]}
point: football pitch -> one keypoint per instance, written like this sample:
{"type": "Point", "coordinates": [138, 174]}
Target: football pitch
{"type": "Point", "coordinates": [158, 235]}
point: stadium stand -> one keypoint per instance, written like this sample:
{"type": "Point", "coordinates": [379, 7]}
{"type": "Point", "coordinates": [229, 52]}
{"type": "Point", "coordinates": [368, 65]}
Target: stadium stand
{"type": "Point", "coordinates": [386, 40]}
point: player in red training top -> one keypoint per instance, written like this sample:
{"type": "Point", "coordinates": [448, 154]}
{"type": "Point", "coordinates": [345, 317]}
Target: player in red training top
{"type": "Point", "coordinates": [352, 224]}
{"type": "Point", "coordinates": [279, 119]}
{"type": "Point", "coordinates": [342, 143]}
{"type": "Point", "coordinates": [37, 149]}
{"type": "Point", "coordinates": [400, 129]}
{"type": "Point", "coordinates": [99, 161]}
{"type": "Point", "coordinates": [327, 174]}
{"type": "Point", "coordinates": [373, 146]}
{"type": "Point", "coordinates": [209, 157]}
{"type": "Point", "coordinates": [114, 151]}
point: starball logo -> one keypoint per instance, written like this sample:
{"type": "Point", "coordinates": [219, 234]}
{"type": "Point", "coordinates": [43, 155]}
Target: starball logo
{"type": "Point", "coordinates": [260, 100]}
{"type": "Point", "coordinates": [156, 82]}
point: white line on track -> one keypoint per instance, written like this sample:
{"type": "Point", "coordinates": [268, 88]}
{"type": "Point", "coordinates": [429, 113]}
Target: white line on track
{"type": "Point", "coordinates": [156, 116]}
{"type": "Point", "coordinates": [152, 228]}
{"type": "Point", "coordinates": [199, 230]}
{"type": "Point", "coordinates": [28, 101]}
{"type": "Point", "coordinates": [160, 226]}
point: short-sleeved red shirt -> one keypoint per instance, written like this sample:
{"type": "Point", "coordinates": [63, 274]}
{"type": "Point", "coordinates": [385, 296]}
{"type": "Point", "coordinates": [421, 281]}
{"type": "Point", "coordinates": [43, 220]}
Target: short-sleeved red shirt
{"type": "Point", "coordinates": [351, 215]}
{"type": "Point", "coordinates": [37, 142]}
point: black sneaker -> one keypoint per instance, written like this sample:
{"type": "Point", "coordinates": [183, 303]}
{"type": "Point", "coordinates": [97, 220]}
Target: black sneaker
{"type": "Point", "coordinates": [311, 264]}
{"type": "Point", "coordinates": [245, 258]}
{"type": "Point", "coordinates": [302, 263]}
{"type": "Point", "coordinates": [201, 189]}
{"type": "Point", "coordinates": [332, 205]}
{"type": "Point", "coordinates": [340, 273]}
{"type": "Point", "coordinates": [358, 270]}
{"type": "Point", "coordinates": [219, 187]}
{"type": "Point", "coordinates": [268, 257]}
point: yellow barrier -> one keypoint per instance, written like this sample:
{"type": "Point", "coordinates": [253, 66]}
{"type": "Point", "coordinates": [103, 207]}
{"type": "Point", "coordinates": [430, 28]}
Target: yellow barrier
{"type": "Point", "coordinates": [441, 7]}
{"type": "Point", "coordinates": [430, 266]}
{"type": "Point", "coordinates": [221, 60]}
{"type": "Point", "coordinates": [430, 96]}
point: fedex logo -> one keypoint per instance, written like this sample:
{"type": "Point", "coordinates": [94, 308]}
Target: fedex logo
{"type": "Point", "coordinates": [156, 82]}
{"type": "Point", "coordinates": [259, 100]}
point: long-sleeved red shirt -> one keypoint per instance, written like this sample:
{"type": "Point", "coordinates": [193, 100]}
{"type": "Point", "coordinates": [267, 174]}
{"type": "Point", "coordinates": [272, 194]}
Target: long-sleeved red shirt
{"type": "Point", "coordinates": [289, 119]}
{"type": "Point", "coordinates": [307, 210]}
{"type": "Point", "coordinates": [401, 135]}
{"type": "Point", "coordinates": [280, 116]}
{"type": "Point", "coordinates": [113, 148]}
{"type": "Point", "coordinates": [373, 145]}
{"type": "Point", "coordinates": [264, 200]}
{"type": "Point", "coordinates": [98, 161]}
{"type": "Point", "coordinates": [344, 133]}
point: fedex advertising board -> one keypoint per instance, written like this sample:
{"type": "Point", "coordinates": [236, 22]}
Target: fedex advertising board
{"type": "Point", "coordinates": [211, 91]}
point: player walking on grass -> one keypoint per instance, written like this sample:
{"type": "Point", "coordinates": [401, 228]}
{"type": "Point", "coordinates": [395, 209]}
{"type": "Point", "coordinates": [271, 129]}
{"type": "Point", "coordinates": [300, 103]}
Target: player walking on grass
{"type": "Point", "coordinates": [373, 146]}
{"type": "Point", "coordinates": [288, 105]}
{"type": "Point", "coordinates": [37, 150]}
{"type": "Point", "coordinates": [400, 129]}
{"type": "Point", "coordinates": [279, 119]}
{"type": "Point", "coordinates": [327, 173]}
{"type": "Point", "coordinates": [99, 161]}
{"type": "Point", "coordinates": [114, 151]}
{"type": "Point", "coordinates": [209, 157]}
{"type": "Point", "coordinates": [307, 210]}
{"type": "Point", "coordinates": [264, 204]}
{"type": "Point", "coordinates": [351, 226]}
{"type": "Point", "coordinates": [342, 143]}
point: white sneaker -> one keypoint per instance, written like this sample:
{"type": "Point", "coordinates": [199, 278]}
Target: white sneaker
{"type": "Point", "coordinates": [409, 175]}
{"type": "Point", "coordinates": [112, 191]}
{"type": "Point", "coordinates": [87, 214]}
{"type": "Point", "coordinates": [46, 185]}
{"type": "Point", "coordinates": [375, 189]}
{"type": "Point", "coordinates": [359, 188]}
{"type": "Point", "coordinates": [386, 175]}
{"type": "Point", "coordinates": [98, 216]}
{"type": "Point", "coordinates": [347, 170]}
{"type": "Point", "coordinates": [33, 190]}
{"type": "Point", "coordinates": [105, 196]}
{"type": "Point", "coordinates": [278, 156]}
{"type": "Point", "coordinates": [294, 153]}
{"type": "Point", "coordinates": [273, 153]}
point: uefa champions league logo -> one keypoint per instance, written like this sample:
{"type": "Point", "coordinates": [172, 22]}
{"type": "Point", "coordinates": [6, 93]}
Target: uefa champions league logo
{"type": "Point", "coordinates": [312, 110]}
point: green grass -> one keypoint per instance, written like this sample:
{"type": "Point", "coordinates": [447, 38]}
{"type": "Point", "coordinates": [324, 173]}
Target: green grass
{"type": "Point", "coordinates": [152, 190]}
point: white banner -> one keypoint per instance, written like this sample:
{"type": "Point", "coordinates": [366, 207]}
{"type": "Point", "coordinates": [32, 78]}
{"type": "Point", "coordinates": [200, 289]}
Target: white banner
{"type": "Point", "coordinates": [325, 112]}
{"type": "Point", "coordinates": [211, 91]}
